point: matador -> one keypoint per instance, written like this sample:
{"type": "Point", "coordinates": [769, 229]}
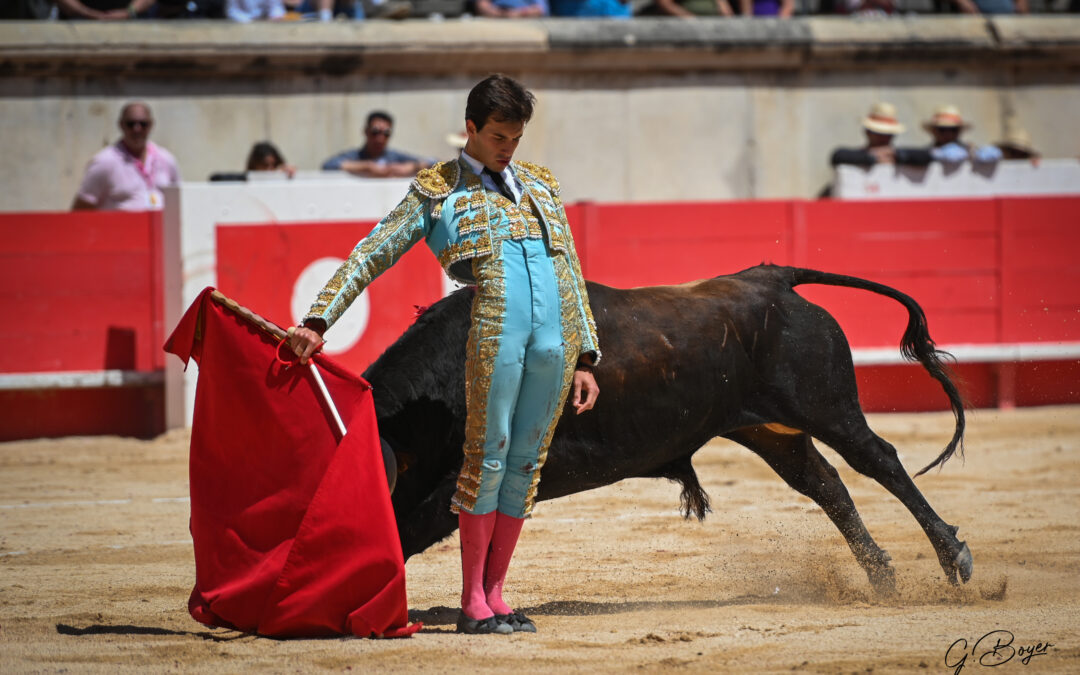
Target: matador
{"type": "Point", "coordinates": [498, 225]}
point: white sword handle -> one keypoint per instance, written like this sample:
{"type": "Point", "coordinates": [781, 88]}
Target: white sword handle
{"type": "Point", "coordinates": [326, 397]}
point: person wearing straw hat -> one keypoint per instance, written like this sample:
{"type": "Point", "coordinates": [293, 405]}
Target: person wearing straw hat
{"type": "Point", "coordinates": [946, 125]}
{"type": "Point", "coordinates": [881, 127]}
{"type": "Point", "coordinates": [1017, 143]}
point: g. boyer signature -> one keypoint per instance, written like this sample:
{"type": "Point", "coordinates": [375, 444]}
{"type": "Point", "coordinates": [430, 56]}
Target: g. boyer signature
{"type": "Point", "coordinates": [996, 648]}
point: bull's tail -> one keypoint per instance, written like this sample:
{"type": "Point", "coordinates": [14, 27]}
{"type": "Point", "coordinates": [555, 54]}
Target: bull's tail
{"type": "Point", "coordinates": [916, 345]}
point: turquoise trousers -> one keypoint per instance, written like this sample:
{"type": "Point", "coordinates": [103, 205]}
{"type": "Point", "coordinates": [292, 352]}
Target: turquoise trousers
{"type": "Point", "coordinates": [517, 378]}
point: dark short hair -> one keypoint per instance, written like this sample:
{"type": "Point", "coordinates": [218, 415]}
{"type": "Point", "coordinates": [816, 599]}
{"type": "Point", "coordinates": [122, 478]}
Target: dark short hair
{"type": "Point", "coordinates": [378, 115]}
{"type": "Point", "coordinates": [500, 98]}
{"type": "Point", "coordinates": [263, 149]}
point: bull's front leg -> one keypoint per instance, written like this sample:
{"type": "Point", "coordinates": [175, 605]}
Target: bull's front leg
{"type": "Point", "coordinates": [430, 522]}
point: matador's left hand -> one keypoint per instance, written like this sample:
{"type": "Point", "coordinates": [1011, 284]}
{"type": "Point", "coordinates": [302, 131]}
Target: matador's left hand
{"type": "Point", "coordinates": [585, 391]}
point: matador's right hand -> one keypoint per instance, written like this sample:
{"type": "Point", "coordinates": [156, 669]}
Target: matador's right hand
{"type": "Point", "coordinates": [304, 342]}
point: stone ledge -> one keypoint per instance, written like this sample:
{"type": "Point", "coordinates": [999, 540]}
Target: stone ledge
{"type": "Point", "coordinates": [467, 46]}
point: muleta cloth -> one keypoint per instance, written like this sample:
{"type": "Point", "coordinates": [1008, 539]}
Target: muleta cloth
{"type": "Point", "coordinates": [293, 528]}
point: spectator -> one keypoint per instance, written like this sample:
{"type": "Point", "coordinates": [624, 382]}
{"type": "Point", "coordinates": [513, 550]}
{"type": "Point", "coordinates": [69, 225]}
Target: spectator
{"type": "Point", "coordinates": [102, 10]}
{"type": "Point", "coordinates": [511, 9]}
{"type": "Point", "coordinates": [264, 156]}
{"type": "Point", "coordinates": [689, 8]}
{"type": "Point", "coordinates": [945, 126]}
{"type": "Point", "coordinates": [375, 159]}
{"type": "Point", "coordinates": [25, 9]}
{"type": "Point", "coordinates": [1017, 144]}
{"type": "Point", "coordinates": [325, 10]}
{"type": "Point", "coordinates": [246, 11]}
{"type": "Point", "coordinates": [129, 174]}
{"type": "Point", "coordinates": [881, 127]}
{"type": "Point", "coordinates": [614, 9]}
{"type": "Point", "coordinates": [992, 6]}
{"type": "Point", "coordinates": [457, 140]}
{"type": "Point", "coordinates": [386, 9]}
{"type": "Point", "coordinates": [862, 8]}
{"type": "Point", "coordinates": [778, 8]}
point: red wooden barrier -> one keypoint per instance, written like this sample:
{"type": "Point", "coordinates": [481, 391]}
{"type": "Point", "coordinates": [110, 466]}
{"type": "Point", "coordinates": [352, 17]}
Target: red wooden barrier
{"type": "Point", "coordinates": [259, 266]}
{"type": "Point", "coordinates": [84, 290]}
{"type": "Point", "coordinates": [1040, 268]}
{"type": "Point", "coordinates": [86, 293]}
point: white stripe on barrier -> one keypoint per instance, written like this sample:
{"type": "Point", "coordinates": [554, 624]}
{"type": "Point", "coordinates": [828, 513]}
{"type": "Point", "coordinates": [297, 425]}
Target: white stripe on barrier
{"type": "Point", "coordinates": [46, 505]}
{"type": "Point", "coordinates": [81, 379]}
{"type": "Point", "coordinates": [872, 356]}
{"type": "Point", "coordinates": [110, 547]}
{"type": "Point", "coordinates": [989, 353]}
{"type": "Point", "coordinates": [94, 502]}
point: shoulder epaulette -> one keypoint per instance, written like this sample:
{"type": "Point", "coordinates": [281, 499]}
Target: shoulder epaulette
{"type": "Point", "coordinates": [438, 181]}
{"type": "Point", "coordinates": [542, 174]}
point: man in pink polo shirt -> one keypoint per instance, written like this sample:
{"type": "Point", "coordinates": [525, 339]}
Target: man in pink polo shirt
{"type": "Point", "coordinates": [129, 174]}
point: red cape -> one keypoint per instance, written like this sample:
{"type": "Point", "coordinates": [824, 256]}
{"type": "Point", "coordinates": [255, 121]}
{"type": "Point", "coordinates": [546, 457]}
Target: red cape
{"type": "Point", "coordinates": [293, 529]}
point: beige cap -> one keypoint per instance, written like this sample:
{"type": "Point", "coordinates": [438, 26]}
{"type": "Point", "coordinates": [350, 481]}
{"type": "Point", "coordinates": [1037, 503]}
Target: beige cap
{"type": "Point", "coordinates": [882, 120]}
{"type": "Point", "coordinates": [1017, 138]}
{"type": "Point", "coordinates": [946, 116]}
{"type": "Point", "coordinates": [457, 139]}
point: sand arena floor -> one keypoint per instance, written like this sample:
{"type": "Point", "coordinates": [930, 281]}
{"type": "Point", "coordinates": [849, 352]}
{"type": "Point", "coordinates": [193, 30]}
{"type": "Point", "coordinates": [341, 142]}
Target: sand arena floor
{"type": "Point", "coordinates": [96, 566]}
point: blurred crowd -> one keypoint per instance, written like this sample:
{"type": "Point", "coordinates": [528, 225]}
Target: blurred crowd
{"type": "Point", "coordinates": [130, 173]}
{"type": "Point", "coordinates": [946, 127]}
{"type": "Point", "coordinates": [325, 10]}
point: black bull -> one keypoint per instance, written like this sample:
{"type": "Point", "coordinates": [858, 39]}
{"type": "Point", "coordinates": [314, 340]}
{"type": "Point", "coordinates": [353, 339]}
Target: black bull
{"type": "Point", "coordinates": [742, 356]}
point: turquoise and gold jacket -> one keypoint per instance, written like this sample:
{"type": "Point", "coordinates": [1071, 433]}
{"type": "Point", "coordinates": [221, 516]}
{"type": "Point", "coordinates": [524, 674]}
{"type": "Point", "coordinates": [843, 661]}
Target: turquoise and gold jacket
{"type": "Point", "coordinates": [449, 208]}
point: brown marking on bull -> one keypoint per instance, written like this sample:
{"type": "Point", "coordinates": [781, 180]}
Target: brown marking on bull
{"type": "Point", "coordinates": [778, 428]}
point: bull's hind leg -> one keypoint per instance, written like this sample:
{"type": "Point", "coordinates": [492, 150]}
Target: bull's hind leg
{"type": "Point", "coordinates": [873, 456]}
{"type": "Point", "coordinates": [798, 462]}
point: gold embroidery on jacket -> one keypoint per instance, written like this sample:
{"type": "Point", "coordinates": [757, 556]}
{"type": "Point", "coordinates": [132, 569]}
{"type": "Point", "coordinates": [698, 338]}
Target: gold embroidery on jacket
{"type": "Point", "coordinates": [542, 174]}
{"type": "Point", "coordinates": [439, 180]}
{"type": "Point", "coordinates": [376, 253]}
{"type": "Point", "coordinates": [467, 225]}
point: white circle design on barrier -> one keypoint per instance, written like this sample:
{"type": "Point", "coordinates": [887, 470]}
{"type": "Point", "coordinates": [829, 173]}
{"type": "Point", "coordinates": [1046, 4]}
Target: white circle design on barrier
{"type": "Point", "coordinates": [348, 329]}
{"type": "Point", "coordinates": [449, 285]}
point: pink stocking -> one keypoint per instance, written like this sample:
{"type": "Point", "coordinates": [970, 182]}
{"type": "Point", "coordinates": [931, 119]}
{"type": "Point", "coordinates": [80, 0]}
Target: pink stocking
{"type": "Point", "coordinates": [475, 532]}
{"type": "Point", "coordinates": [503, 541]}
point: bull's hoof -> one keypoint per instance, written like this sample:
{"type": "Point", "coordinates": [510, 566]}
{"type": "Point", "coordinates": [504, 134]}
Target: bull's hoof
{"type": "Point", "coordinates": [962, 564]}
{"type": "Point", "coordinates": [883, 581]}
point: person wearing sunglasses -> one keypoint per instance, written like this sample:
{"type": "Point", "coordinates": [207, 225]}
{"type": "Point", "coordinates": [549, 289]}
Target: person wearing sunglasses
{"type": "Point", "coordinates": [129, 174]}
{"type": "Point", "coordinates": [376, 159]}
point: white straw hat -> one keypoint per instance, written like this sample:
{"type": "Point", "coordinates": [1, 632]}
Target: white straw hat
{"type": "Point", "coordinates": [882, 120]}
{"type": "Point", "coordinates": [946, 116]}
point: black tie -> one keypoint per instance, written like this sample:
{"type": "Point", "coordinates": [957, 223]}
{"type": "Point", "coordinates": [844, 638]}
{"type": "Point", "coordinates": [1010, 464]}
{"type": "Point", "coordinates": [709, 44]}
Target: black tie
{"type": "Point", "coordinates": [504, 189]}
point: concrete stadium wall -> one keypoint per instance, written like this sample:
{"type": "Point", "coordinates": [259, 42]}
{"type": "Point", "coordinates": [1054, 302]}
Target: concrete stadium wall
{"type": "Point", "coordinates": [641, 110]}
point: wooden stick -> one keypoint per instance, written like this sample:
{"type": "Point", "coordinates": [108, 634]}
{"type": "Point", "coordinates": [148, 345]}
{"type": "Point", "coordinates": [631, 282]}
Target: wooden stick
{"type": "Point", "coordinates": [248, 315]}
{"type": "Point", "coordinates": [276, 331]}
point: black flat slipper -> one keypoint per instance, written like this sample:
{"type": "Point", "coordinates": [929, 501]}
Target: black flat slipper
{"type": "Point", "coordinates": [488, 626]}
{"type": "Point", "coordinates": [518, 622]}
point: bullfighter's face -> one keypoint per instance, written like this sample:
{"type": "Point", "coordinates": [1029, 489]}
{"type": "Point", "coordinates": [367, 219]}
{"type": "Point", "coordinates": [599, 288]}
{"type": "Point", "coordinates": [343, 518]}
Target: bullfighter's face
{"type": "Point", "coordinates": [493, 144]}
